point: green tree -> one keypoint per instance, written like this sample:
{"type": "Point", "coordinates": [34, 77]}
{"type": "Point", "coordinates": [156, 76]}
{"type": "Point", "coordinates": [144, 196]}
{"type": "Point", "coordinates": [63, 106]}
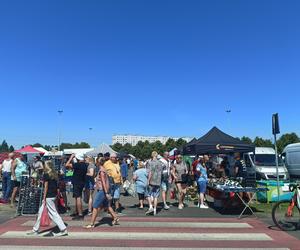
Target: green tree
{"type": "Point", "coordinates": [260, 142]}
{"type": "Point", "coordinates": [157, 146]}
{"type": "Point", "coordinates": [37, 145]}
{"type": "Point", "coordinates": [246, 140]}
{"type": "Point", "coordinates": [170, 144]}
{"type": "Point", "coordinates": [11, 148]}
{"type": "Point", "coordinates": [117, 147]}
{"type": "Point", "coordinates": [287, 139]}
{"type": "Point", "coordinates": [48, 147]}
{"type": "Point", "coordinates": [180, 143]}
{"type": "Point", "coordinates": [4, 147]}
{"type": "Point", "coordinates": [127, 148]}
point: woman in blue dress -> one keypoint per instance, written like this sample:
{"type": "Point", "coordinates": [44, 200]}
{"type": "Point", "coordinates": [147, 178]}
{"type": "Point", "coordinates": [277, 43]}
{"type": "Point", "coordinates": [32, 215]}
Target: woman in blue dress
{"type": "Point", "coordinates": [201, 174]}
{"type": "Point", "coordinates": [140, 177]}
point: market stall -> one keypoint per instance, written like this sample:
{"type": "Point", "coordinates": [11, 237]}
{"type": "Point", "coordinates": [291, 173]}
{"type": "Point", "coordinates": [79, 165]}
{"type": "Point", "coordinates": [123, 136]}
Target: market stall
{"type": "Point", "coordinates": [226, 190]}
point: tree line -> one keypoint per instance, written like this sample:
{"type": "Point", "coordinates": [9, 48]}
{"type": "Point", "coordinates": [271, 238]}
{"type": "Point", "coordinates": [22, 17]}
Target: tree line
{"type": "Point", "coordinates": [143, 149]}
{"type": "Point", "coordinates": [4, 147]}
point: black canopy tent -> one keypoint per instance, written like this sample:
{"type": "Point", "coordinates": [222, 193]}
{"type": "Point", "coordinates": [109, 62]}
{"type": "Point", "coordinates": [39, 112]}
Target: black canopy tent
{"type": "Point", "coordinates": [217, 142]}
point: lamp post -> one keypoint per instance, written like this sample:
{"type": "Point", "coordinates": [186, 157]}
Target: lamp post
{"type": "Point", "coordinates": [228, 111]}
{"type": "Point", "coordinates": [59, 128]}
{"type": "Point", "coordinates": [90, 135]}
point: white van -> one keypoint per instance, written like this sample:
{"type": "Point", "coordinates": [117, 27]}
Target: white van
{"type": "Point", "coordinates": [291, 157]}
{"type": "Point", "coordinates": [264, 163]}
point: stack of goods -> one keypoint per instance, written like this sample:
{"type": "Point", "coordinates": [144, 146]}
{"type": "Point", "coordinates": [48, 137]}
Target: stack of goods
{"type": "Point", "coordinates": [223, 183]}
{"type": "Point", "coordinates": [29, 198]}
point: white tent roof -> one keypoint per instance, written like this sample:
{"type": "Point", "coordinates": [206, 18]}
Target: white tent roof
{"type": "Point", "coordinates": [77, 151]}
{"type": "Point", "coordinates": [42, 150]}
{"type": "Point", "coordinates": [103, 148]}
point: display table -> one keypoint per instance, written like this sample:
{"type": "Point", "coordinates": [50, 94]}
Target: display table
{"type": "Point", "coordinates": [224, 192]}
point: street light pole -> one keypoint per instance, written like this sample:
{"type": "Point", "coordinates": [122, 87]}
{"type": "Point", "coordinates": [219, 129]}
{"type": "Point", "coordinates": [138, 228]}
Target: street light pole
{"type": "Point", "coordinates": [228, 111]}
{"type": "Point", "coordinates": [59, 128]}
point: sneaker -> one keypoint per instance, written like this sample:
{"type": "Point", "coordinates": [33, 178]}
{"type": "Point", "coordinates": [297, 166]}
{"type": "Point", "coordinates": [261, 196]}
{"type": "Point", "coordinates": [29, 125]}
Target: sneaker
{"type": "Point", "coordinates": [78, 217]}
{"type": "Point", "coordinates": [154, 212]}
{"type": "Point", "coordinates": [32, 233]}
{"type": "Point", "coordinates": [150, 210]}
{"type": "Point", "coordinates": [203, 206]}
{"type": "Point", "coordinates": [73, 215]}
{"type": "Point", "coordinates": [166, 207]}
{"type": "Point", "coordinates": [90, 213]}
{"type": "Point", "coordinates": [62, 233]}
{"type": "Point", "coordinates": [180, 206]}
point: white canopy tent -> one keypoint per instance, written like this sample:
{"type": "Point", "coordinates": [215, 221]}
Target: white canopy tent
{"type": "Point", "coordinates": [103, 148]}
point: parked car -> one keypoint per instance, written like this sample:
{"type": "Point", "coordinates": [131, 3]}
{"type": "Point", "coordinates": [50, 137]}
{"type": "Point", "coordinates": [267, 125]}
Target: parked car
{"type": "Point", "coordinates": [291, 158]}
{"type": "Point", "coordinates": [264, 163]}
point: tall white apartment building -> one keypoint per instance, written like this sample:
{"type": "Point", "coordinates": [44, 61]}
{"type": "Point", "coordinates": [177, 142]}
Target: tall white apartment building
{"type": "Point", "coordinates": [134, 139]}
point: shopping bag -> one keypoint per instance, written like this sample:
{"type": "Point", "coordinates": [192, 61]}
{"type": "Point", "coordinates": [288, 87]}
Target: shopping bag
{"type": "Point", "coordinates": [126, 184]}
{"type": "Point", "coordinates": [60, 203]}
{"type": "Point", "coordinates": [172, 194]}
{"type": "Point", "coordinates": [45, 220]}
{"type": "Point", "coordinates": [131, 190]}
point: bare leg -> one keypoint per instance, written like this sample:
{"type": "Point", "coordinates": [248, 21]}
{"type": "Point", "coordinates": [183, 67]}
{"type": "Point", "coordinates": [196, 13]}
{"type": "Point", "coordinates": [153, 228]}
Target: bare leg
{"type": "Point", "coordinates": [79, 206]}
{"type": "Point", "coordinates": [13, 196]}
{"type": "Point", "coordinates": [90, 208]}
{"type": "Point", "coordinates": [94, 215]}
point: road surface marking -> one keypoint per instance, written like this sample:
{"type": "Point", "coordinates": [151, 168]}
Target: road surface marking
{"type": "Point", "coordinates": [151, 236]}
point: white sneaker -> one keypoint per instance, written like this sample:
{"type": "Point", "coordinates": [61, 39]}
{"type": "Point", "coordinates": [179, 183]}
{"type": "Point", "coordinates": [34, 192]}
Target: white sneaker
{"type": "Point", "coordinates": [150, 210]}
{"type": "Point", "coordinates": [180, 207]}
{"type": "Point", "coordinates": [154, 212]}
{"type": "Point", "coordinates": [166, 207]}
{"type": "Point", "coordinates": [62, 233]}
{"type": "Point", "coordinates": [203, 206]}
{"type": "Point", "coordinates": [32, 233]}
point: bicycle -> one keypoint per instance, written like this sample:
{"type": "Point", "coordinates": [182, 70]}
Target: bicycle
{"type": "Point", "coordinates": [286, 214]}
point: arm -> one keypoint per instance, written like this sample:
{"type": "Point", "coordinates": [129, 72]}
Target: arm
{"type": "Point", "coordinates": [69, 162]}
{"type": "Point", "coordinates": [45, 190]}
{"type": "Point", "coordinates": [173, 172]}
{"type": "Point", "coordinates": [13, 168]}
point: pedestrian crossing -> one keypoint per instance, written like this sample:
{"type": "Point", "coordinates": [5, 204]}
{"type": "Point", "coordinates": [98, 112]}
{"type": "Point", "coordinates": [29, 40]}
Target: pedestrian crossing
{"type": "Point", "coordinates": [150, 233]}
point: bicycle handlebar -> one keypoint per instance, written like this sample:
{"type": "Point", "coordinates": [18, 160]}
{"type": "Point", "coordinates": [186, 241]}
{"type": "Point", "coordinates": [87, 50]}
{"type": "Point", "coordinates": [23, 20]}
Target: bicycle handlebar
{"type": "Point", "coordinates": [293, 186]}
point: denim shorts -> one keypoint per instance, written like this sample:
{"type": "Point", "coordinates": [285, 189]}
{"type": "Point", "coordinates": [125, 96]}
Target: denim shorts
{"type": "Point", "coordinates": [100, 200]}
{"type": "Point", "coordinates": [115, 191]}
{"type": "Point", "coordinates": [165, 186]}
{"type": "Point", "coordinates": [202, 187]}
{"type": "Point", "coordinates": [154, 191]}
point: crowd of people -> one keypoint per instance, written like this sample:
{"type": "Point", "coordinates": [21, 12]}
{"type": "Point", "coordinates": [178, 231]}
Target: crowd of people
{"type": "Point", "coordinates": [99, 182]}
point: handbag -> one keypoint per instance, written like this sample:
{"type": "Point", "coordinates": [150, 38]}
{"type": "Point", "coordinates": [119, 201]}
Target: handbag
{"type": "Point", "coordinates": [131, 190]}
{"type": "Point", "coordinates": [45, 220]}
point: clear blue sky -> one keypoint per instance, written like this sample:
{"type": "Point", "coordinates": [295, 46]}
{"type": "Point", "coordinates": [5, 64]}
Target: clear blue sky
{"type": "Point", "coordinates": [147, 67]}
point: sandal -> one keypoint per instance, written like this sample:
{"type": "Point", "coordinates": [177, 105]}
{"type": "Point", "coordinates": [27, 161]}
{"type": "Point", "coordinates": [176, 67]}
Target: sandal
{"type": "Point", "coordinates": [115, 221]}
{"type": "Point", "coordinates": [89, 226]}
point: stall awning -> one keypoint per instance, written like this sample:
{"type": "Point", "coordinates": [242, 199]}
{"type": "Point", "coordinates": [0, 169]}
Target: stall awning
{"type": "Point", "coordinates": [217, 142]}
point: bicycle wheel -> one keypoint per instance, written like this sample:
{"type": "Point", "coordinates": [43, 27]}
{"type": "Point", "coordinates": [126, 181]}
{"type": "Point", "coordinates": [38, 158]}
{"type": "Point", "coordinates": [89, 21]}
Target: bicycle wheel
{"type": "Point", "coordinates": [282, 219]}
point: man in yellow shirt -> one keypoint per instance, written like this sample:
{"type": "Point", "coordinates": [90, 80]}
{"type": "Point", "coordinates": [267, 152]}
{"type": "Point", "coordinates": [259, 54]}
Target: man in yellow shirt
{"type": "Point", "coordinates": [113, 170]}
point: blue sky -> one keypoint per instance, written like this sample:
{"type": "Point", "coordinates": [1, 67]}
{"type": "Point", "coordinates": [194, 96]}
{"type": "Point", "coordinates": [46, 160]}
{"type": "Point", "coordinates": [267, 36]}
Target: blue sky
{"type": "Point", "coordinates": [147, 67]}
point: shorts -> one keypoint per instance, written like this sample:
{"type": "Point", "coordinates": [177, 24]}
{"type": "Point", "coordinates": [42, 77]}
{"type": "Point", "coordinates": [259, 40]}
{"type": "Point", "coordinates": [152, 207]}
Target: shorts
{"type": "Point", "coordinates": [115, 191]}
{"type": "Point", "coordinates": [154, 191]}
{"type": "Point", "coordinates": [165, 186]}
{"type": "Point", "coordinates": [89, 184]}
{"type": "Point", "coordinates": [16, 184]}
{"type": "Point", "coordinates": [77, 190]}
{"type": "Point", "coordinates": [202, 185]}
{"type": "Point", "coordinates": [100, 200]}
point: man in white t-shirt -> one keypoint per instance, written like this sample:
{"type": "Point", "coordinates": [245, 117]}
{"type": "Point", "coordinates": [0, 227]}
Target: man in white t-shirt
{"type": "Point", "coordinates": [5, 168]}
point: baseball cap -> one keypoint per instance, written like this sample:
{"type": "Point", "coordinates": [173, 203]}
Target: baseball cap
{"type": "Point", "coordinates": [79, 156]}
